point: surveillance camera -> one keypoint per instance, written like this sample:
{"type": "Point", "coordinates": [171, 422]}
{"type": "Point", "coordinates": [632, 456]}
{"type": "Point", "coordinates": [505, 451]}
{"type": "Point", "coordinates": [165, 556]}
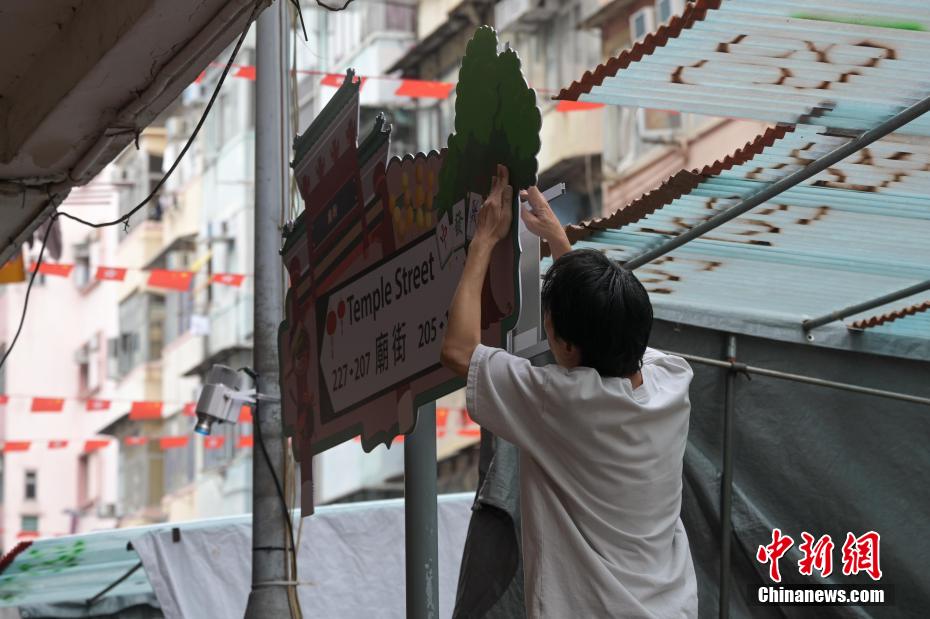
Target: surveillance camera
{"type": "Point", "coordinates": [220, 400]}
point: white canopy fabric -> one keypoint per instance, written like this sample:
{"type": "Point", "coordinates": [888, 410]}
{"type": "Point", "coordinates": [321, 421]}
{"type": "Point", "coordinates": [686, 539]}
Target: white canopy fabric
{"type": "Point", "coordinates": [350, 562]}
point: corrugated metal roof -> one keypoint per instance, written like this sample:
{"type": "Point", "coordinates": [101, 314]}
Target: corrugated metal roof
{"type": "Point", "coordinates": [888, 317]}
{"type": "Point", "coordinates": [853, 232]}
{"type": "Point", "coordinates": [847, 64]}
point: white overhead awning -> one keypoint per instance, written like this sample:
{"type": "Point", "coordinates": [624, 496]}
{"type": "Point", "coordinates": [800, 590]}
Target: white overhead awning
{"type": "Point", "coordinates": [81, 78]}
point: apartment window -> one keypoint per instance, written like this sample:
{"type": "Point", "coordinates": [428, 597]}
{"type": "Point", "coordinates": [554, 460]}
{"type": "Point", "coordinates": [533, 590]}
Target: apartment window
{"type": "Point", "coordinates": [29, 524]}
{"type": "Point", "coordinates": [665, 9]}
{"type": "Point", "coordinates": [89, 362]}
{"type": "Point", "coordinates": [137, 170]}
{"type": "Point", "coordinates": [642, 22]}
{"type": "Point", "coordinates": [400, 16]}
{"type": "Point", "coordinates": [82, 276]}
{"type": "Point", "coordinates": [657, 124]}
{"type": "Point", "coordinates": [31, 489]}
{"type": "Point", "coordinates": [142, 333]}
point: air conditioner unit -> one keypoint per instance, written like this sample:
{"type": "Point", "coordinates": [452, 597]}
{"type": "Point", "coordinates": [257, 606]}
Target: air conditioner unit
{"type": "Point", "coordinates": [107, 510]}
{"type": "Point", "coordinates": [523, 15]}
{"type": "Point", "coordinates": [82, 355]}
{"type": "Point", "coordinates": [657, 124]}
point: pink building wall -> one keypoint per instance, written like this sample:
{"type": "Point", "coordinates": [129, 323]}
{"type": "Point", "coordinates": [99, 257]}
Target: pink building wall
{"type": "Point", "coordinates": [61, 318]}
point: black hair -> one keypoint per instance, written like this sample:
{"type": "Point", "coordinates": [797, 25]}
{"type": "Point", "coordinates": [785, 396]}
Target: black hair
{"type": "Point", "coordinates": [600, 307]}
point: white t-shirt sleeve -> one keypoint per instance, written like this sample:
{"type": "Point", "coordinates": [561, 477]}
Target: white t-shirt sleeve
{"type": "Point", "coordinates": [505, 393]}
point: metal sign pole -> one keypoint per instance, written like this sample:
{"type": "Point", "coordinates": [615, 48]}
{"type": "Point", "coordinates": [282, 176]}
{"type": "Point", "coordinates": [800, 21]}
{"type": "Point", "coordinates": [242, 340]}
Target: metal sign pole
{"type": "Point", "coordinates": [421, 525]}
{"type": "Point", "coordinates": [269, 553]}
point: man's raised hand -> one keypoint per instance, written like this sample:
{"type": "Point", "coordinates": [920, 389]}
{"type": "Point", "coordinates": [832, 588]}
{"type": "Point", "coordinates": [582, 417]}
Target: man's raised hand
{"type": "Point", "coordinates": [495, 216]}
{"type": "Point", "coordinates": [541, 221]}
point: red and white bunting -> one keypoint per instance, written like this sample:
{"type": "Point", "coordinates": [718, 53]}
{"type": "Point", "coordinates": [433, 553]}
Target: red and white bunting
{"type": "Point", "coordinates": [407, 87]}
{"type": "Point", "coordinates": [172, 280]}
{"type": "Point", "coordinates": [246, 71]}
{"type": "Point", "coordinates": [47, 405]}
{"type": "Point", "coordinates": [245, 414]}
{"type": "Point", "coordinates": [145, 410]}
{"type": "Point", "coordinates": [95, 444]}
{"type": "Point", "coordinates": [213, 442]}
{"type": "Point", "coordinates": [55, 269]}
{"type": "Point", "coordinates": [335, 80]}
{"type": "Point", "coordinates": [173, 442]}
{"type": "Point", "coordinates": [228, 279]}
{"type": "Point", "coordinates": [424, 89]}
{"type": "Point", "coordinates": [115, 274]}
{"type": "Point", "coordinates": [577, 106]}
{"type": "Point", "coordinates": [97, 405]}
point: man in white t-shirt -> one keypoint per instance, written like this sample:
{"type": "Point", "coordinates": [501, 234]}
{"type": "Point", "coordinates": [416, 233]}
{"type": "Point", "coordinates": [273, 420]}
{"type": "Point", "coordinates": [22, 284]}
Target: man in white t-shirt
{"type": "Point", "coordinates": [601, 433]}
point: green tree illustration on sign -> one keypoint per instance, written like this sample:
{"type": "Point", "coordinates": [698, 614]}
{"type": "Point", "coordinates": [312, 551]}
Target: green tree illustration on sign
{"type": "Point", "coordinates": [496, 121]}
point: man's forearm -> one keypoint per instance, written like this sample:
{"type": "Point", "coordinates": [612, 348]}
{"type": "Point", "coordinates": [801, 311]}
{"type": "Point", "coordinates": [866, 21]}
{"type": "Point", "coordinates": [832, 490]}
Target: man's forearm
{"type": "Point", "coordinates": [559, 245]}
{"type": "Point", "coordinates": [463, 333]}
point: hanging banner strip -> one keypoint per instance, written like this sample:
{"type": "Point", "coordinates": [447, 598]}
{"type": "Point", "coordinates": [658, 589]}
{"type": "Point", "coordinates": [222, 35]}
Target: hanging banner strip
{"type": "Point", "coordinates": [228, 279]}
{"type": "Point", "coordinates": [422, 89]}
{"type": "Point", "coordinates": [47, 405]}
{"type": "Point", "coordinates": [116, 274]}
{"type": "Point", "coordinates": [55, 269]}
{"type": "Point", "coordinates": [173, 442]}
{"type": "Point", "coordinates": [172, 280]}
{"type": "Point", "coordinates": [145, 410]}
{"type": "Point", "coordinates": [213, 442]}
{"type": "Point", "coordinates": [95, 444]}
{"type": "Point", "coordinates": [407, 87]}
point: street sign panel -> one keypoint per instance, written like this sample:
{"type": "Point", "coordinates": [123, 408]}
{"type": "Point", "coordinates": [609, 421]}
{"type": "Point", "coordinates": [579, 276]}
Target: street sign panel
{"type": "Point", "coordinates": [375, 258]}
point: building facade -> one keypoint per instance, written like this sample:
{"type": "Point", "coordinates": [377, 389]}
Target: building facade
{"type": "Point", "coordinates": [52, 482]}
{"type": "Point", "coordinates": [642, 147]}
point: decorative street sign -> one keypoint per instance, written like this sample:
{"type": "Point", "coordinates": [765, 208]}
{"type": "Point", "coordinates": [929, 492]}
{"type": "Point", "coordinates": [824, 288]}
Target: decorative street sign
{"type": "Point", "coordinates": [375, 258]}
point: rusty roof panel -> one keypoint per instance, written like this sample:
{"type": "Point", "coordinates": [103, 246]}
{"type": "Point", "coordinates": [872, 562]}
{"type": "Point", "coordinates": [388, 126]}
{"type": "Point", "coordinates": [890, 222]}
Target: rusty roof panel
{"type": "Point", "coordinates": [854, 231]}
{"type": "Point", "coordinates": [888, 317]}
{"type": "Point", "coordinates": [848, 64]}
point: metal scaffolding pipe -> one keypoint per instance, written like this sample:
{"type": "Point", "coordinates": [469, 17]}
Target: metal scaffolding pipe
{"type": "Point", "coordinates": [770, 191]}
{"type": "Point", "coordinates": [726, 483]}
{"type": "Point", "coordinates": [852, 310]}
{"type": "Point", "coordinates": [740, 367]}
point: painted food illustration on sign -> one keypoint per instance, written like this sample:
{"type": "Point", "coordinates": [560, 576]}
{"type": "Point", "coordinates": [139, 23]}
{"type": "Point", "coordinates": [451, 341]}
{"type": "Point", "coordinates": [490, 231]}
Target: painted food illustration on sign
{"type": "Point", "coordinates": [374, 260]}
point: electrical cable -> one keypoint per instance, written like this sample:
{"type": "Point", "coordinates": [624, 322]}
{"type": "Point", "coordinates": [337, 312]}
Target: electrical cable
{"type": "Point", "coordinates": [125, 218]}
{"type": "Point", "coordinates": [300, 14]}
{"type": "Point", "coordinates": [257, 428]}
{"type": "Point", "coordinates": [22, 318]}
{"type": "Point", "coordinates": [332, 8]}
